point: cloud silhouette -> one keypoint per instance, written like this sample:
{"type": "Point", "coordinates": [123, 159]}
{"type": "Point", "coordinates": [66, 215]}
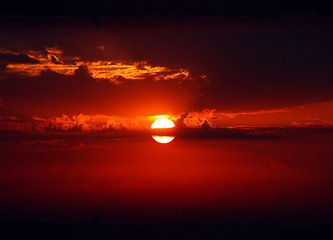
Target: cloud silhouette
{"type": "Point", "coordinates": [9, 57]}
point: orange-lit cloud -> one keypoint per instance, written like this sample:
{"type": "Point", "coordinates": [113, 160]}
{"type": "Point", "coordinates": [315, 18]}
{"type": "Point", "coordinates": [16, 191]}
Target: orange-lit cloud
{"type": "Point", "coordinates": [76, 123]}
{"type": "Point", "coordinates": [14, 124]}
{"type": "Point", "coordinates": [49, 59]}
{"type": "Point", "coordinates": [195, 119]}
{"type": "Point", "coordinates": [36, 69]}
{"type": "Point", "coordinates": [64, 123]}
{"type": "Point", "coordinates": [115, 72]}
{"type": "Point", "coordinates": [7, 56]}
{"type": "Point", "coordinates": [83, 123]}
{"type": "Point", "coordinates": [269, 122]}
{"type": "Point", "coordinates": [53, 59]}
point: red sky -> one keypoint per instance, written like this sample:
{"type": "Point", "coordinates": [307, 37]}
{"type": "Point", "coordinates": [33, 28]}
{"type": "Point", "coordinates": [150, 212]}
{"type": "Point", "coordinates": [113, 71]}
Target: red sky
{"type": "Point", "coordinates": [251, 100]}
{"type": "Point", "coordinates": [277, 71]}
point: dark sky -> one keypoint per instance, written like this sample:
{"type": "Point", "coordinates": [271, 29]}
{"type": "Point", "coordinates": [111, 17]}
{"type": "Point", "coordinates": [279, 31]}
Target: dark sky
{"type": "Point", "coordinates": [237, 7]}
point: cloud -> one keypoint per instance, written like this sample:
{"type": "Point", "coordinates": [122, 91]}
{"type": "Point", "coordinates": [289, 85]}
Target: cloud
{"type": "Point", "coordinates": [53, 59]}
{"type": "Point", "coordinates": [37, 69]}
{"type": "Point", "coordinates": [200, 125]}
{"type": "Point", "coordinates": [195, 119]}
{"type": "Point", "coordinates": [116, 72]}
{"type": "Point", "coordinates": [83, 126]}
{"type": "Point", "coordinates": [12, 124]}
{"type": "Point", "coordinates": [233, 115]}
{"type": "Point", "coordinates": [312, 123]}
{"type": "Point", "coordinates": [208, 132]}
{"type": "Point", "coordinates": [244, 76]}
{"type": "Point", "coordinates": [82, 123]}
{"type": "Point", "coordinates": [64, 123]}
{"type": "Point", "coordinates": [117, 123]}
{"type": "Point", "coordinates": [12, 57]}
{"type": "Point", "coordinates": [312, 114]}
{"type": "Point", "coordinates": [73, 91]}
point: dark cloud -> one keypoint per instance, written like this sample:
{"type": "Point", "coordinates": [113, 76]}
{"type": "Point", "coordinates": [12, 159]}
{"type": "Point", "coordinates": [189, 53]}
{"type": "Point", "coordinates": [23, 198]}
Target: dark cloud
{"type": "Point", "coordinates": [54, 59]}
{"type": "Point", "coordinates": [53, 94]}
{"type": "Point", "coordinates": [16, 58]}
{"type": "Point", "coordinates": [207, 132]}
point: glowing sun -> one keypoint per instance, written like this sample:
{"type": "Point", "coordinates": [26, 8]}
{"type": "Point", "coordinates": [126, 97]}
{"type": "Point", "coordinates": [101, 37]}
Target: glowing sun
{"type": "Point", "coordinates": [162, 124]}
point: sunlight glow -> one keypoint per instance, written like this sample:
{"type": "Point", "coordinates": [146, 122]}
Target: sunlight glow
{"type": "Point", "coordinates": [162, 123]}
{"type": "Point", "coordinates": [163, 139]}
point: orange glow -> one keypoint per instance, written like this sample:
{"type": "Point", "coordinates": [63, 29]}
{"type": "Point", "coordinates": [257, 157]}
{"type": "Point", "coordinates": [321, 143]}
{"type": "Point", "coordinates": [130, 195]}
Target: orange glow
{"type": "Point", "coordinates": [162, 123]}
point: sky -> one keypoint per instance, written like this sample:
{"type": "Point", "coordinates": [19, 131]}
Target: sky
{"type": "Point", "coordinates": [250, 93]}
{"type": "Point", "coordinates": [244, 72]}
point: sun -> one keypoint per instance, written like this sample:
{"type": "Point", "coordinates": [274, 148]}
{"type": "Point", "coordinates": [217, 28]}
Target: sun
{"type": "Point", "coordinates": [163, 139]}
{"type": "Point", "coordinates": [161, 125]}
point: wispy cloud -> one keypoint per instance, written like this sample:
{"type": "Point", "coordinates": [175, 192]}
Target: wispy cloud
{"type": "Point", "coordinates": [7, 56]}
{"type": "Point", "coordinates": [116, 72]}
{"type": "Point", "coordinates": [233, 115]}
{"type": "Point", "coordinates": [53, 59]}
{"type": "Point", "coordinates": [315, 114]}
